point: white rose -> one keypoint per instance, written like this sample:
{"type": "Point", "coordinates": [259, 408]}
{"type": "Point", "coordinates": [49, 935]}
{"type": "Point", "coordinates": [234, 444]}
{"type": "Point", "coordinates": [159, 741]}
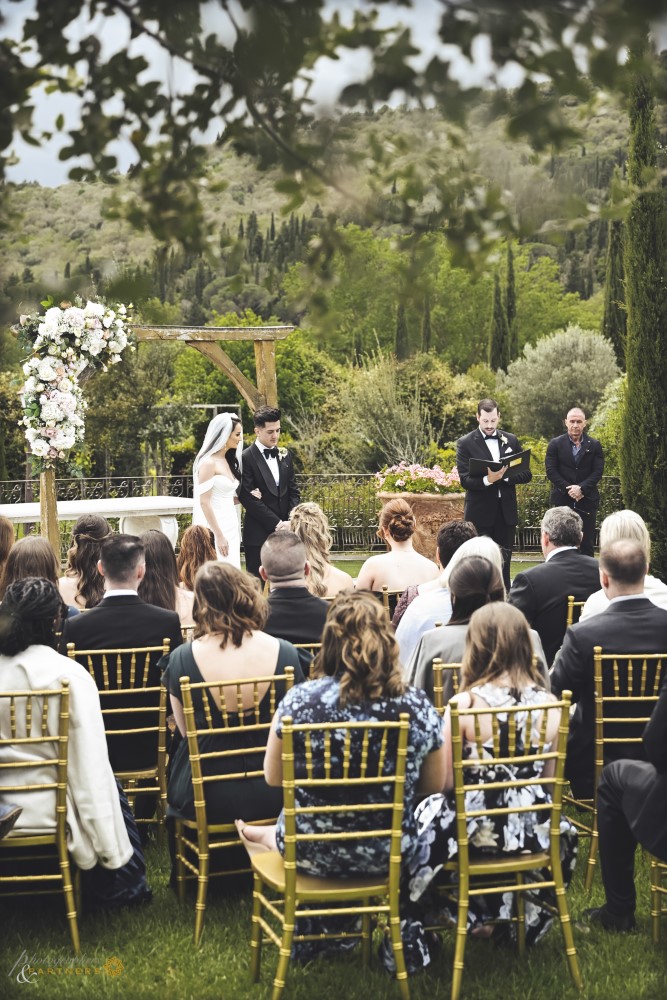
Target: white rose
{"type": "Point", "coordinates": [46, 372]}
{"type": "Point", "coordinates": [40, 447]}
{"type": "Point", "coordinates": [94, 309]}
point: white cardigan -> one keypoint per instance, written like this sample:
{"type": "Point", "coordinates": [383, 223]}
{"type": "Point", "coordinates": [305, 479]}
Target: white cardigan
{"type": "Point", "coordinates": [95, 827]}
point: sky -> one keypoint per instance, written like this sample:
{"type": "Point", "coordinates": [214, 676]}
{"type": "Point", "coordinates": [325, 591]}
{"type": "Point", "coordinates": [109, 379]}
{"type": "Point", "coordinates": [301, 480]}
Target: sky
{"type": "Point", "coordinates": [42, 164]}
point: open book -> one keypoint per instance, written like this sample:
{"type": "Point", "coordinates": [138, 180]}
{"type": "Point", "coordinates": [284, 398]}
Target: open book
{"type": "Point", "coordinates": [518, 462]}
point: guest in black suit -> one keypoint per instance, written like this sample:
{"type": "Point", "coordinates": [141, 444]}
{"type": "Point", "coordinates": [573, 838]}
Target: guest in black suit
{"type": "Point", "coordinates": [490, 502]}
{"type": "Point", "coordinates": [542, 592]}
{"type": "Point", "coordinates": [294, 613]}
{"type": "Point", "coordinates": [268, 469]}
{"type": "Point", "coordinates": [574, 464]}
{"type": "Point", "coordinates": [123, 621]}
{"type": "Point", "coordinates": [631, 624]}
{"type": "Point", "coordinates": [632, 809]}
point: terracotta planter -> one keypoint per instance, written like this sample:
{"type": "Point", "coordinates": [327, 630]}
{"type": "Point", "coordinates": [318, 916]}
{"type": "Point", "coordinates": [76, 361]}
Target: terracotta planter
{"type": "Point", "coordinates": [430, 510]}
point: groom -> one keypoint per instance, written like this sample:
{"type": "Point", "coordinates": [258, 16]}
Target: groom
{"type": "Point", "coordinates": [268, 469]}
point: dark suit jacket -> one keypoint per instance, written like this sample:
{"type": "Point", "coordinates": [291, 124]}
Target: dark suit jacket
{"type": "Point", "coordinates": [632, 626]}
{"type": "Point", "coordinates": [125, 622]}
{"type": "Point", "coordinates": [542, 592]}
{"type": "Point", "coordinates": [645, 799]}
{"type": "Point", "coordinates": [563, 471]}
{"type": "Point", "coordinates": [296, 615]}
{"type": "Point", "coordinates": [262, 516]}
{"type": "Point", "coordinates": [481, 503]}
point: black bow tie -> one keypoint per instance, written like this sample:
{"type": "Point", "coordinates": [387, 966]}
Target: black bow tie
{"type": "Point", "coordinates": [490, 437]}
{"type": "Point", "coordinates": [270, 453]}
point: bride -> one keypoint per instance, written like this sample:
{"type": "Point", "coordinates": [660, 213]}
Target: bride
{"type": "Point", "coordinates": [216, 475]}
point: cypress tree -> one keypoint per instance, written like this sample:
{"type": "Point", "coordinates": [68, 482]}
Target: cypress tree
{"type": "Point", "coordinates": [510, 305]}
{"type": "Point", "coordinates": [272, 230]}
{"type": "Point", "coordinates": [426, 325]}
{"type": "Point", "coordinates": [401, 343]}
{"type": "Point", "coordinates": [499, 347]}
{"type": "Point", "coordinates": [68, 270]}
{"type": "Point", "coordinates": [614, 319]}
{"type": "Point", "coordinates": [644, 450]}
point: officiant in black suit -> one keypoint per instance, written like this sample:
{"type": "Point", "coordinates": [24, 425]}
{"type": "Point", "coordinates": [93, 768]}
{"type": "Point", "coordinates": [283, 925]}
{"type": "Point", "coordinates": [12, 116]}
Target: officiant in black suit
{"type": "Point", "coordinates": [491, 499]}
{"type": "Point", "coordinates": [269, 469]}
{"type": "Point", "coordinates": [574, 464]}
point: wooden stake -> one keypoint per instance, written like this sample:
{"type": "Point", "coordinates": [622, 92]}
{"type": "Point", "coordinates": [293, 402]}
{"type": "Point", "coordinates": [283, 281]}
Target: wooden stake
{"type": "Point", "coordinates": [48, 509]}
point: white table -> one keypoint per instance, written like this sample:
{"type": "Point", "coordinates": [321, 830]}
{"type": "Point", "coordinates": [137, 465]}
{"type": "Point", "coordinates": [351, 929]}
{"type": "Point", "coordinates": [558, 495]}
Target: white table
{"type": "Point", "coordinates": [136, 514]}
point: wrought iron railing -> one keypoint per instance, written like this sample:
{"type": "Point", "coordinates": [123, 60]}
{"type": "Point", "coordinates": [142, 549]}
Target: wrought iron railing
{"type": "Point", "coordinates": [349, 501]}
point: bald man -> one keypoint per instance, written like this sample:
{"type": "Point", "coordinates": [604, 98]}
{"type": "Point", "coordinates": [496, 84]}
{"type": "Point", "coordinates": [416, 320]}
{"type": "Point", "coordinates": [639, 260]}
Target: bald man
{"type": "Point", "coordinates": [574, 464]}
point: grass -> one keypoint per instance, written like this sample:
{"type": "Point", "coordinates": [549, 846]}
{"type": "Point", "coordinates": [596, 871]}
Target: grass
{"type": "Point", "coordinates": [154, 944]}
{"type": "Point", "coordinates": [353, 564]}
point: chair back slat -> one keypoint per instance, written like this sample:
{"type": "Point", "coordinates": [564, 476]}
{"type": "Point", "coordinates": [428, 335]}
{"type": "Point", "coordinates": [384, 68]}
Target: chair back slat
{"type": "Point", "coordinates": [440, 670]}
{"type": "Point", "coordinates": [574, 609]}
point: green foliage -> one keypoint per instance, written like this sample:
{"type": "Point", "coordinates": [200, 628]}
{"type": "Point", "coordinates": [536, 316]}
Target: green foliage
{"type": "Point", "coordinates": [499, 335]}
{"type": "Point", "coordinates": [569, 368]}
{"type": "Point", "coordinates": [510, 304]}
{"type": "Point", "coordinates": [12, 439]}
{"type": "Point", "coordinates": [644, 444]}
{"type": "Point", "coordinates": [607, 425]}
{"type": "Point", "coordinates": [449, 400]}
{"type": "Point", "coordinates": [538, 451]}
{"type": "Point", "coordinates": [614, 319]}
{"type": "Point", "coordinates": [401, 348]}
{"type": "Point", "coordinates": [542, 304]}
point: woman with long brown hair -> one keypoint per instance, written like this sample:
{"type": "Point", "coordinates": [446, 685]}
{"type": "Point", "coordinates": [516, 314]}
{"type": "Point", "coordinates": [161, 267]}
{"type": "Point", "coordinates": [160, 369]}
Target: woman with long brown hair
{"type": "Point", "coordinates": [160, 584]}
{"type": "Point", "coordinates": [33, 556]}
{"type": "Point", "coordinates": [83, 585]}
{"type": "Point", "coordinates": [197, 547]}
{"type": "Point", "coordinates": [6, 540]}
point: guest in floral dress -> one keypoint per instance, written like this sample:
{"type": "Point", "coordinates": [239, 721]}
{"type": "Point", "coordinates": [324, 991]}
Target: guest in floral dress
{"type": "Point", "coordinates": [357, 677]}
{"type": "Point", "coordinates": [497, 670]}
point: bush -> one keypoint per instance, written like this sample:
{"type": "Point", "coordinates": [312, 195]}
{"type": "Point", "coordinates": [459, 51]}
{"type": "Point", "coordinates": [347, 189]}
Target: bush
{"type": "Point", "coordinates": [607, 425]}
{"type": "Point", "coordinates": [572, 367]}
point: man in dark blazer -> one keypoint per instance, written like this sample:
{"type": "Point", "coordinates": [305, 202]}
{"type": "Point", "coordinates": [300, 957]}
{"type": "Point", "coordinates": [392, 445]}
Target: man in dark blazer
{"type": "Point", "coordinates": [632, 809]}
{"type": "Point", "coordinates": [294, 613]}
{"type": "Point", "coordinates": [574, 464]}
{"type": "Point", "coordinates": [123, 621]}
{"type": "Point", "coordinates": [490, 502]}
{"type": "Point", "coordinates": [542, 592]}
{"type": "Point", "coordinates": [269, 469]}
{"type": "Point", "coordinates": [631, 624]}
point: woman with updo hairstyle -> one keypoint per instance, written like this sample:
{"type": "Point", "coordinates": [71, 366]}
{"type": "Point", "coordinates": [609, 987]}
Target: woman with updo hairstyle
{"type": "Point", "coordinates": [309, 522]}
{"type": "Point", "coordinates": [473, 582]}
{"type": "Point", "coordinates": [401, 565]}
{"type": "Point", "coordinates": [498, 671]}
{"type": "Point", "coordinates": [83, 585]}
{"type": "Point", "coordinates": [197, 547]}
{"type": "Point", "coordinates": [102, 836]}
{"type": "Point", "coordinates": [357, 678]}
{"type": "Point", "coordinates": [33, 556]}
{"type": "Point", "coordinates": [160, 585]}
{"type": "Point", "coordinates": [229, 613]}
{"type": "Point", "coordinates": [6, 540]}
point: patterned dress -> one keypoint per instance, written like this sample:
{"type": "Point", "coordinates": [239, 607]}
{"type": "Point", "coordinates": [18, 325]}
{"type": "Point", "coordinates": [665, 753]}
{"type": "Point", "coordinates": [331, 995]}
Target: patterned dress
{"type": "Point", "coordinates": [515, 834]}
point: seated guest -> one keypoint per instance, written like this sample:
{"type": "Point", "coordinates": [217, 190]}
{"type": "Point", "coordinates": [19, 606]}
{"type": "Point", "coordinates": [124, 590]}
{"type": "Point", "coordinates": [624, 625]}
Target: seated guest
{"type": "Point", "coordinates": [33, 556]}
{"type": "Point", "coordinates": [123, 621]}
{"type": "Point", "coordinates": [294, 613]}
{"type": "Point", "coordinates": [401, 565]}
{"type": "Point", "coordinates": [626, 524]}
{"type": "Point", "coordinates": [631, 624]}
{"type": "Point", "coordinates": [451, 535]}
{"type": "Point", "coordinates": [230, 644]}
{"type": "Point", "coordinates": [309, 522]}
{"type": "Point", "coordinates": [160, 585]}
{"type": "Point", "coordinates": [358, 679]}
{"type": "Point", "coordinates": [197, 547]}
{"type": "Point", "coordinates": [6, 540]}
{"type": "Point", "coordinates": [473, 582]}
{"type": "Point", "coordinates": [82, 586]}
{"type": "Point", "coordinates": [435, 607]}
{"type": "Point", "coordinates": [101, 834]}
{"type": "Point", "coordinates": [542, 592]}
{"type": "Point", "coordinates": [632, 809]}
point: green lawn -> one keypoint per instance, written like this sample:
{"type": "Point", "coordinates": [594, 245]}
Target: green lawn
{"type": "Point", "coordinates": [353, 564]}
{"type": "Point", "coordinates": [154, 945]}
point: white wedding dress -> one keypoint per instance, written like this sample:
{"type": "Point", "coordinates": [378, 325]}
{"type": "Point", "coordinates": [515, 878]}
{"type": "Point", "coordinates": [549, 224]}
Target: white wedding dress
{"type": "Point", "coordinates": [223, 491]}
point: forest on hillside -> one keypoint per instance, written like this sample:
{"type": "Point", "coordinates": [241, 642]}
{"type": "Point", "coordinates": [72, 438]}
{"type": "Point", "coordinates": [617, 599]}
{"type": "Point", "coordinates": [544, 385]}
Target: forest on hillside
{"type": "Point", "coordinates": [395, 340]}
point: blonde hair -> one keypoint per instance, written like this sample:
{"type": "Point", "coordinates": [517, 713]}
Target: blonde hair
{"type": "Point", "coordinates": [397, 519]}
{"type": "Point", "coordinates": [498, 644]}
{"type": "Point", "coordinates": [359, 648]}
{"type": "Point", "coordinates": [625, 524]}
{"type": "Point", "coordinates": [480, 545]}
{"type": "Point", "coordinates": [310, 523]}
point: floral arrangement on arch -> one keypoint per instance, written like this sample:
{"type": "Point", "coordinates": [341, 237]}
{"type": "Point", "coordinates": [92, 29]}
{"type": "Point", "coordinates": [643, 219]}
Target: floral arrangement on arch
{"type": "Point", "coordinates": [67, 344]}
{"type": "Point", "coordinates": [404, 478]}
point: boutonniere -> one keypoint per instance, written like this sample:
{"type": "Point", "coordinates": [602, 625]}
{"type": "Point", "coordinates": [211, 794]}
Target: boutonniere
{"type": "Point", "coordinates": [282, 453]}
{"type": "Point", "coordinates": [503, 439]}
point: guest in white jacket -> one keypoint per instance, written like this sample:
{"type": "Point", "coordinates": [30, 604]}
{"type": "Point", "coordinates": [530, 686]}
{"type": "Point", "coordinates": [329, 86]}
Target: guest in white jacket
{"type": "Point", "coordinates": [102, 835]}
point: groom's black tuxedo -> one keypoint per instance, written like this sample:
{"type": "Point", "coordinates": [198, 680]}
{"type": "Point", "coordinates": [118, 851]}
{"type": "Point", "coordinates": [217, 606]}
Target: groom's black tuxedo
{"type": "Point", "coordinates": [262, 516]}
{"type": "Point", "coordinates": [492, 509]}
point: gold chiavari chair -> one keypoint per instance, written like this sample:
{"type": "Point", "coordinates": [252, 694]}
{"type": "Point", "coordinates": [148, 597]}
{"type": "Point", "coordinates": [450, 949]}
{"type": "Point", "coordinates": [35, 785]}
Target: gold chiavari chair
{"type": "Point", "coordinates": [39, 721]}
{"type": "Point", "coordinates": [240, 714]}
{"type": "Point", "coordinates": [441, 670]}
{"type": "Point", "coordinates": [188, 632]}
{"type": "Point", "coordinates": [505, 873]}
{"type": "Point", "coordinates": [310, 650]}
{"type": "Point", "coordinates": [573, 608]}
{"type": "Point", "coordinates": [626, 690]}
{"type": "Point", "coordinates": [658, 896]}
{"type": "Point", "coordinates": [390, 599]}
{"type": "Point", "coordinates": [134, 708]}
{"type": "Point", "coordinates": [334, 781]}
